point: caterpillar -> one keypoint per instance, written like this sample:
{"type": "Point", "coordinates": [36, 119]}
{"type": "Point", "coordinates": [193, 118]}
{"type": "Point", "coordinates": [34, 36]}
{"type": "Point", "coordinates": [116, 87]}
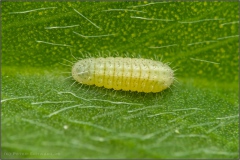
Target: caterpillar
{"type": "Point", "coordinates": [127, 74]}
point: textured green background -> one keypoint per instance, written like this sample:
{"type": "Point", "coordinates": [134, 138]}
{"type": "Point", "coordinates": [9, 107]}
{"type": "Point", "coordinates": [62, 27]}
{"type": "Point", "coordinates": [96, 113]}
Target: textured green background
{"type": "Point", "coordinates": [197, 118]}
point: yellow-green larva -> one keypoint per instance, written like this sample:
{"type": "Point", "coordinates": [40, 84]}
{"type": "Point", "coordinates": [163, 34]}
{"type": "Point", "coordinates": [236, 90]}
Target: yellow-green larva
{"type": "Point", "coordinates": [128, 74]}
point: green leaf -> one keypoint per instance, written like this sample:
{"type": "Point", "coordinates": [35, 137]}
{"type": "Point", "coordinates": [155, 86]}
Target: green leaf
{"type": "Point", "coordinates": [46, 115]}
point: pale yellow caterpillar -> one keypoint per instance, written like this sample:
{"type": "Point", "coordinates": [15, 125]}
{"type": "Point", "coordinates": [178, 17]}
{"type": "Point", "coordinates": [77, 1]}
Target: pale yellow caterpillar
{"type": "Point", "coordinates": [127, 74]}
